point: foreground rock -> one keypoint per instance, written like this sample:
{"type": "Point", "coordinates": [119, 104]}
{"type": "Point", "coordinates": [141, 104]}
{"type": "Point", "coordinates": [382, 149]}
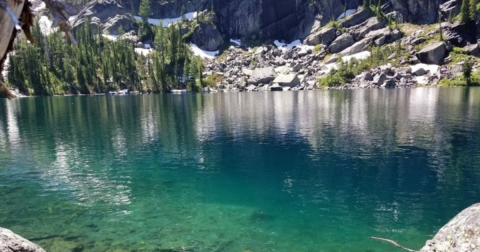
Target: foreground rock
{"type": "Point", "coordinates": [461, 234]}
{"type": "Point", "coordinates": [11, 242]}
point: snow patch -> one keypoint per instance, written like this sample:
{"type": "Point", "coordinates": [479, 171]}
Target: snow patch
{"type": "Point", "coordinates": [347, 13]}
{"type": "Point", "coordinates": [168, 21]}
{"type": "Point", "coordinates": [422, 80]}
{"type": "Point", "coordinates": [72, 18]}
{"type": "Point", "coordinates": [237, 42]}
{"type": "Point", "coordinates": [358, 56]}
{"type": "Point", "coordinates": [40, 7]}
{"type": "Point", "coordinates": [45, 25]}
{"type": "Point", "coordinates": [143, 51]}
{"type": "Point", "coordinates": [297, 43]}
{"type": "Point", "coordinates": [111, 37]}
{"type": "Point", "coordinates": [432, 68]}
{"type": "Point", "coordinates": [202, 53]}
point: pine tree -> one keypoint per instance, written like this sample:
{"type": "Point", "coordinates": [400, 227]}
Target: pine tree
{"type": "Point", "coordinates": [366, 4]}
{"type": "Point", "coordinates": [378, 9]}
{"type": "Point", "coordinates": [465, 11]}
{"type": "Point", "coordinates": [472, 9]}
{"type": "Point", "coordinates": [144, 10]}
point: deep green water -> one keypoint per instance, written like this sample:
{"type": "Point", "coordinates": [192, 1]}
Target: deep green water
{"type": "Point", "coordinates": [285, 171]}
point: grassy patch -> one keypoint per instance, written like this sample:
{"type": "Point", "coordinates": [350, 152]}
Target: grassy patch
{"type": "Point", "coordinates": [460, 81]}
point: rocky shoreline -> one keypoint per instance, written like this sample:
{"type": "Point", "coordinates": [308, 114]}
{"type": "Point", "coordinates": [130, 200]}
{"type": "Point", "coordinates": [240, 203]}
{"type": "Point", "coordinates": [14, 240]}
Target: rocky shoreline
{"type": "Point", "coordinates": [408, 56]}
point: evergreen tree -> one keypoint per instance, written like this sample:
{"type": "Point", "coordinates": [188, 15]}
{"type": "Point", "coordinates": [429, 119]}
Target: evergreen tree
{"type": "Point", "coordinates": [144, 10]}
{"type": "Point", "coordinates": [366, 4]}
{"type": "Point", "coordinates": [472, 9]}
{"type": "Point", "coordinates": [465, 11]}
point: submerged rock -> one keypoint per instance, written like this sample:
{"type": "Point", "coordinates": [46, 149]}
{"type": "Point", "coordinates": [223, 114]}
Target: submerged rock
{"type": "Point", "coordinates": [461, 234]}
{"type": "Point", "coordinates": [11, 242]}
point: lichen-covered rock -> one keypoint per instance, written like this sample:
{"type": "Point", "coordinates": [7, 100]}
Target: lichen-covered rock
{"type": "Point", "coordinates": [11, 242]}
{"type": "Point", "coordinates": [461, 234]}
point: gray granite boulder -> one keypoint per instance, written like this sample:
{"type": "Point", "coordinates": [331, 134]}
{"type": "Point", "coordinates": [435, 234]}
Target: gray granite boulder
{"type": "Point", "coordinates": [341, 43]}
{"type": "Point", "coordinates": [324, 36]}
{"type": "Point", "coordinates": [461, 234]}
{"type": "Point", "coordinates": [357, 18]}
{"type": "Point", "coordinates": [433, 53]}
{"type": "Point", "coordinates": [262, 75]}
{"type": "Point", "coordinates": [11, 242]}
{"type": "Point", "coordinates": [359, 46]}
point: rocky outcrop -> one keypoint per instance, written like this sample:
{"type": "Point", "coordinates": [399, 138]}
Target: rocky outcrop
{"type": "Point", "coordinates": [11, 242]}
{"type": "Point", "coordinates": [341, 43]}
{"type": "Point", "coordinates": [207, 37]}
{"type": "Point", "coordinates": [461, 234]}
{"type": "Point", "coordinates": [325, 36]}
{"type": "Point", "coordinates": [107, 15]}
{"type": "Point", "coordinates": [359, 46]}
{"type": "Point", "coordinates": [433, 53]}
{"type": "Point", "coordinates": [357, 18]}
{"type": "Point", "coordinates": [450, 9]}
{"type": "Point", "coordinates": [417, 11]}
{"type": "Point", "coordinates": [361, 30]}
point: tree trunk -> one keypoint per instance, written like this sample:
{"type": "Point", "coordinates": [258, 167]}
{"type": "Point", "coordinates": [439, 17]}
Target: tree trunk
{"type": "Point", "coordinates": [7, 26]}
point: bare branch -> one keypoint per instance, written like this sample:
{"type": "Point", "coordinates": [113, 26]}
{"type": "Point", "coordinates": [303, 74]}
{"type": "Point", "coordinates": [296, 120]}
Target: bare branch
{"type": "Point", "coordinates": [392, 242]}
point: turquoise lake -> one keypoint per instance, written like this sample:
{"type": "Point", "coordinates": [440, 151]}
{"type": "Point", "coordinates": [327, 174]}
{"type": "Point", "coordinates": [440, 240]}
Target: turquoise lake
{"type": "Point", "coordinates": [268, 171]}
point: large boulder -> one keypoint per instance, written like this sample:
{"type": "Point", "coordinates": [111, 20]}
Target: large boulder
{"type": "Point", "coordinates": [262, 75]}
{"type": "Point", "coordinates": [360, 31]}
{"type": "Point", "coordinates": [461, 234]}
{"type": "Point", "coordinates": [357, 18]}
{"type": "Point", "coordinates": [324, 36]}
{"type": "Point", "coordinates": [433, 53]}
{"type": "Point", "coordinates": [359, 46]}
{"type": "Point", "coordinates": [207, 37]}
{"type": "Point", "coordinates": [287, 80]}
{"type": "Point", "coordinates": [11, 242]}
{"type": "Point", "coordinates": [341, 43]}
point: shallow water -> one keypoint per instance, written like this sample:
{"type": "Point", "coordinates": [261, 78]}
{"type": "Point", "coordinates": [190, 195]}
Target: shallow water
{"type": "Point", "coordinates": [285, 171]}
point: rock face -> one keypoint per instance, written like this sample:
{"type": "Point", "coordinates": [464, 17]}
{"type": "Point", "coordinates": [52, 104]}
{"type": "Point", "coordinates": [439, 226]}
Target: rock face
{"type": "Point", "coordinates": [433, 53]}
{"type": "Point", "coordinates": [461, 234]}
{"type": "Point", "coordinates": [11, 242]}
{"type": "Point", "coordinates": [108, 15]}
{"type": "Point", "coordinates": [207, 37]}
{"type": "Point", "coordinates": [417, 11]}
{"type": "Point", "coordinates": [268, 19]}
